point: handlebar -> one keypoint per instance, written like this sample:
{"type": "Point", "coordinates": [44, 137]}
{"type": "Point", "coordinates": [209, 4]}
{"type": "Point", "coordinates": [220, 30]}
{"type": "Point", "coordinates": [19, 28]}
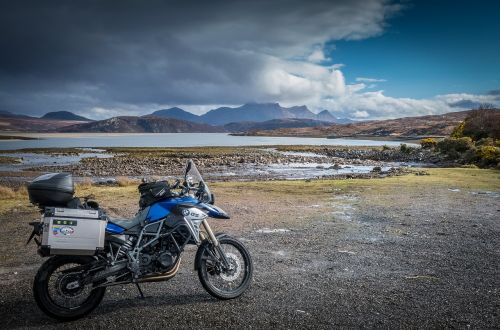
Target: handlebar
{"type": "Point", "coordinates": [186, 187]}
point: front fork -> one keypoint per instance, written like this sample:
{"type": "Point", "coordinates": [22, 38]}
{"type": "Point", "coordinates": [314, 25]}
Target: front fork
{"type": "Point", "coordinates": [216, 244]}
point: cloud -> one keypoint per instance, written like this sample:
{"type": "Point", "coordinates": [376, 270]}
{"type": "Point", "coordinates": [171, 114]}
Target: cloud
{"type": "Point", "coordinates": [467, 104]}
{"type": "Point", "coordinates": [103, 59]}
{"type": "Point", "coordinates": [317, 56]}
{"type": "Point", "coordinates": [369, 80]}
{"type": "Point", "coordinates": [131, 55]}
{"type": "Point", "coordinates": [380, 106]}
{"type": "Point", "coordinates": [360, 114]}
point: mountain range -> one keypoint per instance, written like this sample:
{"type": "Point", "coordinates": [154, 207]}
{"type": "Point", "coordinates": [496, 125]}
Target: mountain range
{"type": "Point", "coordinates": [269, 119]}
{"type": "Point", "coordinates": [248, 117]}
{"type": "Point", "coordinates": [250, 112]}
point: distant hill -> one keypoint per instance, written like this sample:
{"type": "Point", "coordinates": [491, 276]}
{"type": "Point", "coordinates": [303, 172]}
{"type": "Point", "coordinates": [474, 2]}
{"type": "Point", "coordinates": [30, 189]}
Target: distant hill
{"type": "Point", "coordinates": [31, 124]}
{"type": "Point", "coordinates": [326, 115]}
{"type": "Point", "coordinates": [8, 114]}
{"type": "Point", "coordinates": [246, 126]}
{"type": "Point", "coordinates": [64, 115]}
{"type": "Point", "coordinates": [146, 124]}
{"type": "Point", "coordinates": [177, 113]}
{"type": "Point", "coordinates": [433, 125]}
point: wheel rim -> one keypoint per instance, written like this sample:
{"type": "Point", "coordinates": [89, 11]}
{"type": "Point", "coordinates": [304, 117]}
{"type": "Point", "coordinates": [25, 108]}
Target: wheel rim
{"type": "Point", "coordinates": [65, 288]}
{"type": "Point", "coordinates": [226, 280]}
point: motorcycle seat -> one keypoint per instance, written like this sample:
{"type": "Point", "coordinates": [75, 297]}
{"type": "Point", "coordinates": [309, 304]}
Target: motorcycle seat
{"type": "Point", "coordinates": [130, 223]}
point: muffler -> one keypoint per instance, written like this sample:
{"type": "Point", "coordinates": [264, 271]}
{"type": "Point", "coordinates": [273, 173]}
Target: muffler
{"type": "Point", "coordinates": [162, 276]}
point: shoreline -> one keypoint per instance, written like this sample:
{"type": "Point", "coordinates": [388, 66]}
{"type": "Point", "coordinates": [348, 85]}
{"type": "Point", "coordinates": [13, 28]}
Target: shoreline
{"type": "Point", "coordinates": [40, 135]}
{"type": "Point", "coordinates": [221, 163]}
{"type": "Point", "coordinates": [407, 139]}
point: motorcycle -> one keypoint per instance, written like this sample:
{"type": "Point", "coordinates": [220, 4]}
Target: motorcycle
{"type": "Point", "coordinates": [90, 251]}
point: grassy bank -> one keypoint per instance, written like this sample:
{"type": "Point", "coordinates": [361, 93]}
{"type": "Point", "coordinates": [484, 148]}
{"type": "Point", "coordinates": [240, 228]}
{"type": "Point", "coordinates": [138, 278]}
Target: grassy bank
{"type": "Point", "coordinates": [9, 160]}
{"type": "Point", "coordinates": [126, 195]}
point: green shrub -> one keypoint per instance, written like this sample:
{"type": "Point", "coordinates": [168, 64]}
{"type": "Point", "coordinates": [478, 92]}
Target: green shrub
{"type": "Point", "coordinates": [488, 142]}
{"type": "Point", "coordinates": [455, 145]}
{"type": "Point", "coordinates": [458, 131]}
{"type": "Point", "coordinates": [488, 155]}
{"type": "Point", "coordinates": [428, 143]}
{"type": "Point", "coordinates": [405, 149]}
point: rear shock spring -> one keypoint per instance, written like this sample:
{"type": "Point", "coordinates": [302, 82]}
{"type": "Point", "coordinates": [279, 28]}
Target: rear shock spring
{"type": "Point", "coordinates": [122, 251]}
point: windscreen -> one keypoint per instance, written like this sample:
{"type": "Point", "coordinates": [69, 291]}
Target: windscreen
{"type": "Point", "coordinates": [194, 178]}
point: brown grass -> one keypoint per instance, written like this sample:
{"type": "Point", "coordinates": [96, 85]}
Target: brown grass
{"type": "Point", "coordinates": [85, 183]}
{"type": "Point", "coordinates": [7, 193]}
{"type": "Point", "coordinates": [22, 191]}
{"type": "Point", "coordinates": [124, 181]}
{"type": "Point", "coordinates": [9, 160]}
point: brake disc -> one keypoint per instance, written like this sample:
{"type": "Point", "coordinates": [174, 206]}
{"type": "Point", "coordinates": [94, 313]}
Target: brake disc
{"type": "Point", "coordinates": [235, 263]}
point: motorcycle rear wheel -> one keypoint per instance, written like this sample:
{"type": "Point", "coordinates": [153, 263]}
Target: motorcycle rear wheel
{"type": "Point", "coordinates": [220, 283]}
{"type": "Point", "coordinates": [59, 292]}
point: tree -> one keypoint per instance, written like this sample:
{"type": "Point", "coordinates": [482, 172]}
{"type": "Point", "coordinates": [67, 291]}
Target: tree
{"type": "Point", "coordinates": [483, 123]}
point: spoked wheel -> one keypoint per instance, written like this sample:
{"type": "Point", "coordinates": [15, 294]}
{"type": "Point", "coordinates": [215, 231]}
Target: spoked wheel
{"type": "Point", "coordinates": [220, 281]}
{"type": "Point", "coordinates": [60, 291]}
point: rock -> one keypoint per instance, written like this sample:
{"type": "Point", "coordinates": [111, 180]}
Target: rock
{"type": "Point", "coordinates": [377, 169]}
{"type": "Point", "coordinates": [422, 173]}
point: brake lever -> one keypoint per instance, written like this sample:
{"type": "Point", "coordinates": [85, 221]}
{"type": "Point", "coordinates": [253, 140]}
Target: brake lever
{"type": "Point", "coordinates": [176, 184]}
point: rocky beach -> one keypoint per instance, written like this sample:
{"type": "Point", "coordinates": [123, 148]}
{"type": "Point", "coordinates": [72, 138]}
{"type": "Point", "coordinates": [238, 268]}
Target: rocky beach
{"type": "Point", "coordinates": [219, 163]}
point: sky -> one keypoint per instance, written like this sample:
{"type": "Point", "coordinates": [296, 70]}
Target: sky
{"type": "Point", "coordinates": [360, 59]}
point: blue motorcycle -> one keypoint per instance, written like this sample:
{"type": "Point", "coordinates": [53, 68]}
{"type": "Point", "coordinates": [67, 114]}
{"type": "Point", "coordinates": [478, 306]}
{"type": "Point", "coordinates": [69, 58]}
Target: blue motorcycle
{"type": "Point", "coordinates": [89, 251]}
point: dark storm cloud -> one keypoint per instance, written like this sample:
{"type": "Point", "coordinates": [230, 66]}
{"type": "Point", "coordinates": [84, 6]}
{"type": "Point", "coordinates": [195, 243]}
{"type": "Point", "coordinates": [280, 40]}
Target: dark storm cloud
{"type": "Point", "coordinates": [466, 104]}
{"type": "Point", "coordinates": [77, 55]}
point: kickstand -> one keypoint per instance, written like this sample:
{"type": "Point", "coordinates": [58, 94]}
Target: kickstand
{"type": "Point", "coordinates": [140, 291]}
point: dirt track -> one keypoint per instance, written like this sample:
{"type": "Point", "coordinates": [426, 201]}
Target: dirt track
{"type": "Point", "coordinates": [408, 255]}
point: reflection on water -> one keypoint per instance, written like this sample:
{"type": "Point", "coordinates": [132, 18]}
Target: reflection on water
{"type": "Point", "coordinates": [38, 159]}
{"type": "Point", "coordinates": [296, 171]}
{"type": "Point", "coordinates": [173, 140]}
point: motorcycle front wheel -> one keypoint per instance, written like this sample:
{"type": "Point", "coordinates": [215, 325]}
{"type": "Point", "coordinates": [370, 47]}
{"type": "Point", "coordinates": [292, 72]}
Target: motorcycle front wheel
{"type": "Point", "coordinates": [60, 290]}
{"type": "Point", "coordinates": [220, 281]}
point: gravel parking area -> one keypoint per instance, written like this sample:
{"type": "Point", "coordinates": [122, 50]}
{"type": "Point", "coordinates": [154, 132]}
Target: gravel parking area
{"type": "Point", "coordinates": [397, 255]}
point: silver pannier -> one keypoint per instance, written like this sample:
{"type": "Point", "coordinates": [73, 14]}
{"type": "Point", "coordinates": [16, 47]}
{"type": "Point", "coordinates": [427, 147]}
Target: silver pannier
{"type": "Point", "coordinates": [72, 231]}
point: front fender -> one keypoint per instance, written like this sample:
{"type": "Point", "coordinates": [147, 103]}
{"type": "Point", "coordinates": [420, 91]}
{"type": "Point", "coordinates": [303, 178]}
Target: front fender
{"type": "Point", "coordinates": [214, 211]}
{"type": "Point", "coordinates": [202, 247]}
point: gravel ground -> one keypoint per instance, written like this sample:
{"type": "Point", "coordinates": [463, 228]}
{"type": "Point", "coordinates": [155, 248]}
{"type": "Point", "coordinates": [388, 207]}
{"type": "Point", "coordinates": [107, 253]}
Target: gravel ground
{"type": "Point", "coordinates": [416, 256]}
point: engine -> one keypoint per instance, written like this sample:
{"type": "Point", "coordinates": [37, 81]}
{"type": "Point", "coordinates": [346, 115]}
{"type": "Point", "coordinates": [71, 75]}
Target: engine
{"type": "Point", "coordinates": [159, 257]}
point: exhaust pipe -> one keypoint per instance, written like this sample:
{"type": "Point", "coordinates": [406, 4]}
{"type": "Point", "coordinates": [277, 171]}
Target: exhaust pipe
{"type": "Point", "coordinates": [162, 276]}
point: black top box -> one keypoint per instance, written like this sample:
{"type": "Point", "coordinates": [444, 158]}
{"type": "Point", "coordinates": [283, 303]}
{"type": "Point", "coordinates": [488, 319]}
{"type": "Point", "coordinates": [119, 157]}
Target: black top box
{"type": "Point", "coordinates": [53, 189]}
